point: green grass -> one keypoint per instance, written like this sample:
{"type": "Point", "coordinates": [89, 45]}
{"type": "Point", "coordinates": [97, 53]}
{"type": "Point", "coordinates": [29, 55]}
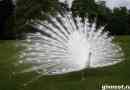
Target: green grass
{"type": "Point", "coordinates": [94, 78]}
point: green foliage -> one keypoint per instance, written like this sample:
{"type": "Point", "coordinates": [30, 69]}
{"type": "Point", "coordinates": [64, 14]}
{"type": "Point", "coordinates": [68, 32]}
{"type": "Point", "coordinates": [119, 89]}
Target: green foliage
{"type": "Point", "coordinates": [32, 8]}
{"type": "Point", "coordinates": [85, 8]}
{"type": "Point", "coordinates": [116, 21]}
{"type": "Point", "coordinates": [26, 10]}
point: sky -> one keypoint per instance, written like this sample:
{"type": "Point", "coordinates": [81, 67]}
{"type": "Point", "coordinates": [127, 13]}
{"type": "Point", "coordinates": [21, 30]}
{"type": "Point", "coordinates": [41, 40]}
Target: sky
{"type": "Point", "coordinates": [117, 3]}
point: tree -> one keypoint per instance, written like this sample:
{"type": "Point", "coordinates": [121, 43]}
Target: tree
{"type": "Point", "coordinates": [118, 24]}
{"type": "Point", "coordinates": [85, 8]}
{"type": "Point", "coordinates": [6, 9]}
{"type": "Point", "coordinates": [26, 10]}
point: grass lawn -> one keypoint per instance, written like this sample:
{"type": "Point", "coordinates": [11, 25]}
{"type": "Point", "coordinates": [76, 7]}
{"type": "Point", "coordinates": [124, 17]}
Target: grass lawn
{"type": "Point", "coordinates": [94, 78]}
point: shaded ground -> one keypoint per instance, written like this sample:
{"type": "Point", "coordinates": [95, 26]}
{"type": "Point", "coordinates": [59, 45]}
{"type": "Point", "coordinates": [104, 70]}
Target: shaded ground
{"type": "Point", "coordinates": [116, 75]}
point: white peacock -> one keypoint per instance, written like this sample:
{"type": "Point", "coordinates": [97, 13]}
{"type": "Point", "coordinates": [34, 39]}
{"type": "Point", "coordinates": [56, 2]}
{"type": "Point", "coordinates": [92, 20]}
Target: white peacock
{"type": "Point", "coordinates": [67, 44]}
